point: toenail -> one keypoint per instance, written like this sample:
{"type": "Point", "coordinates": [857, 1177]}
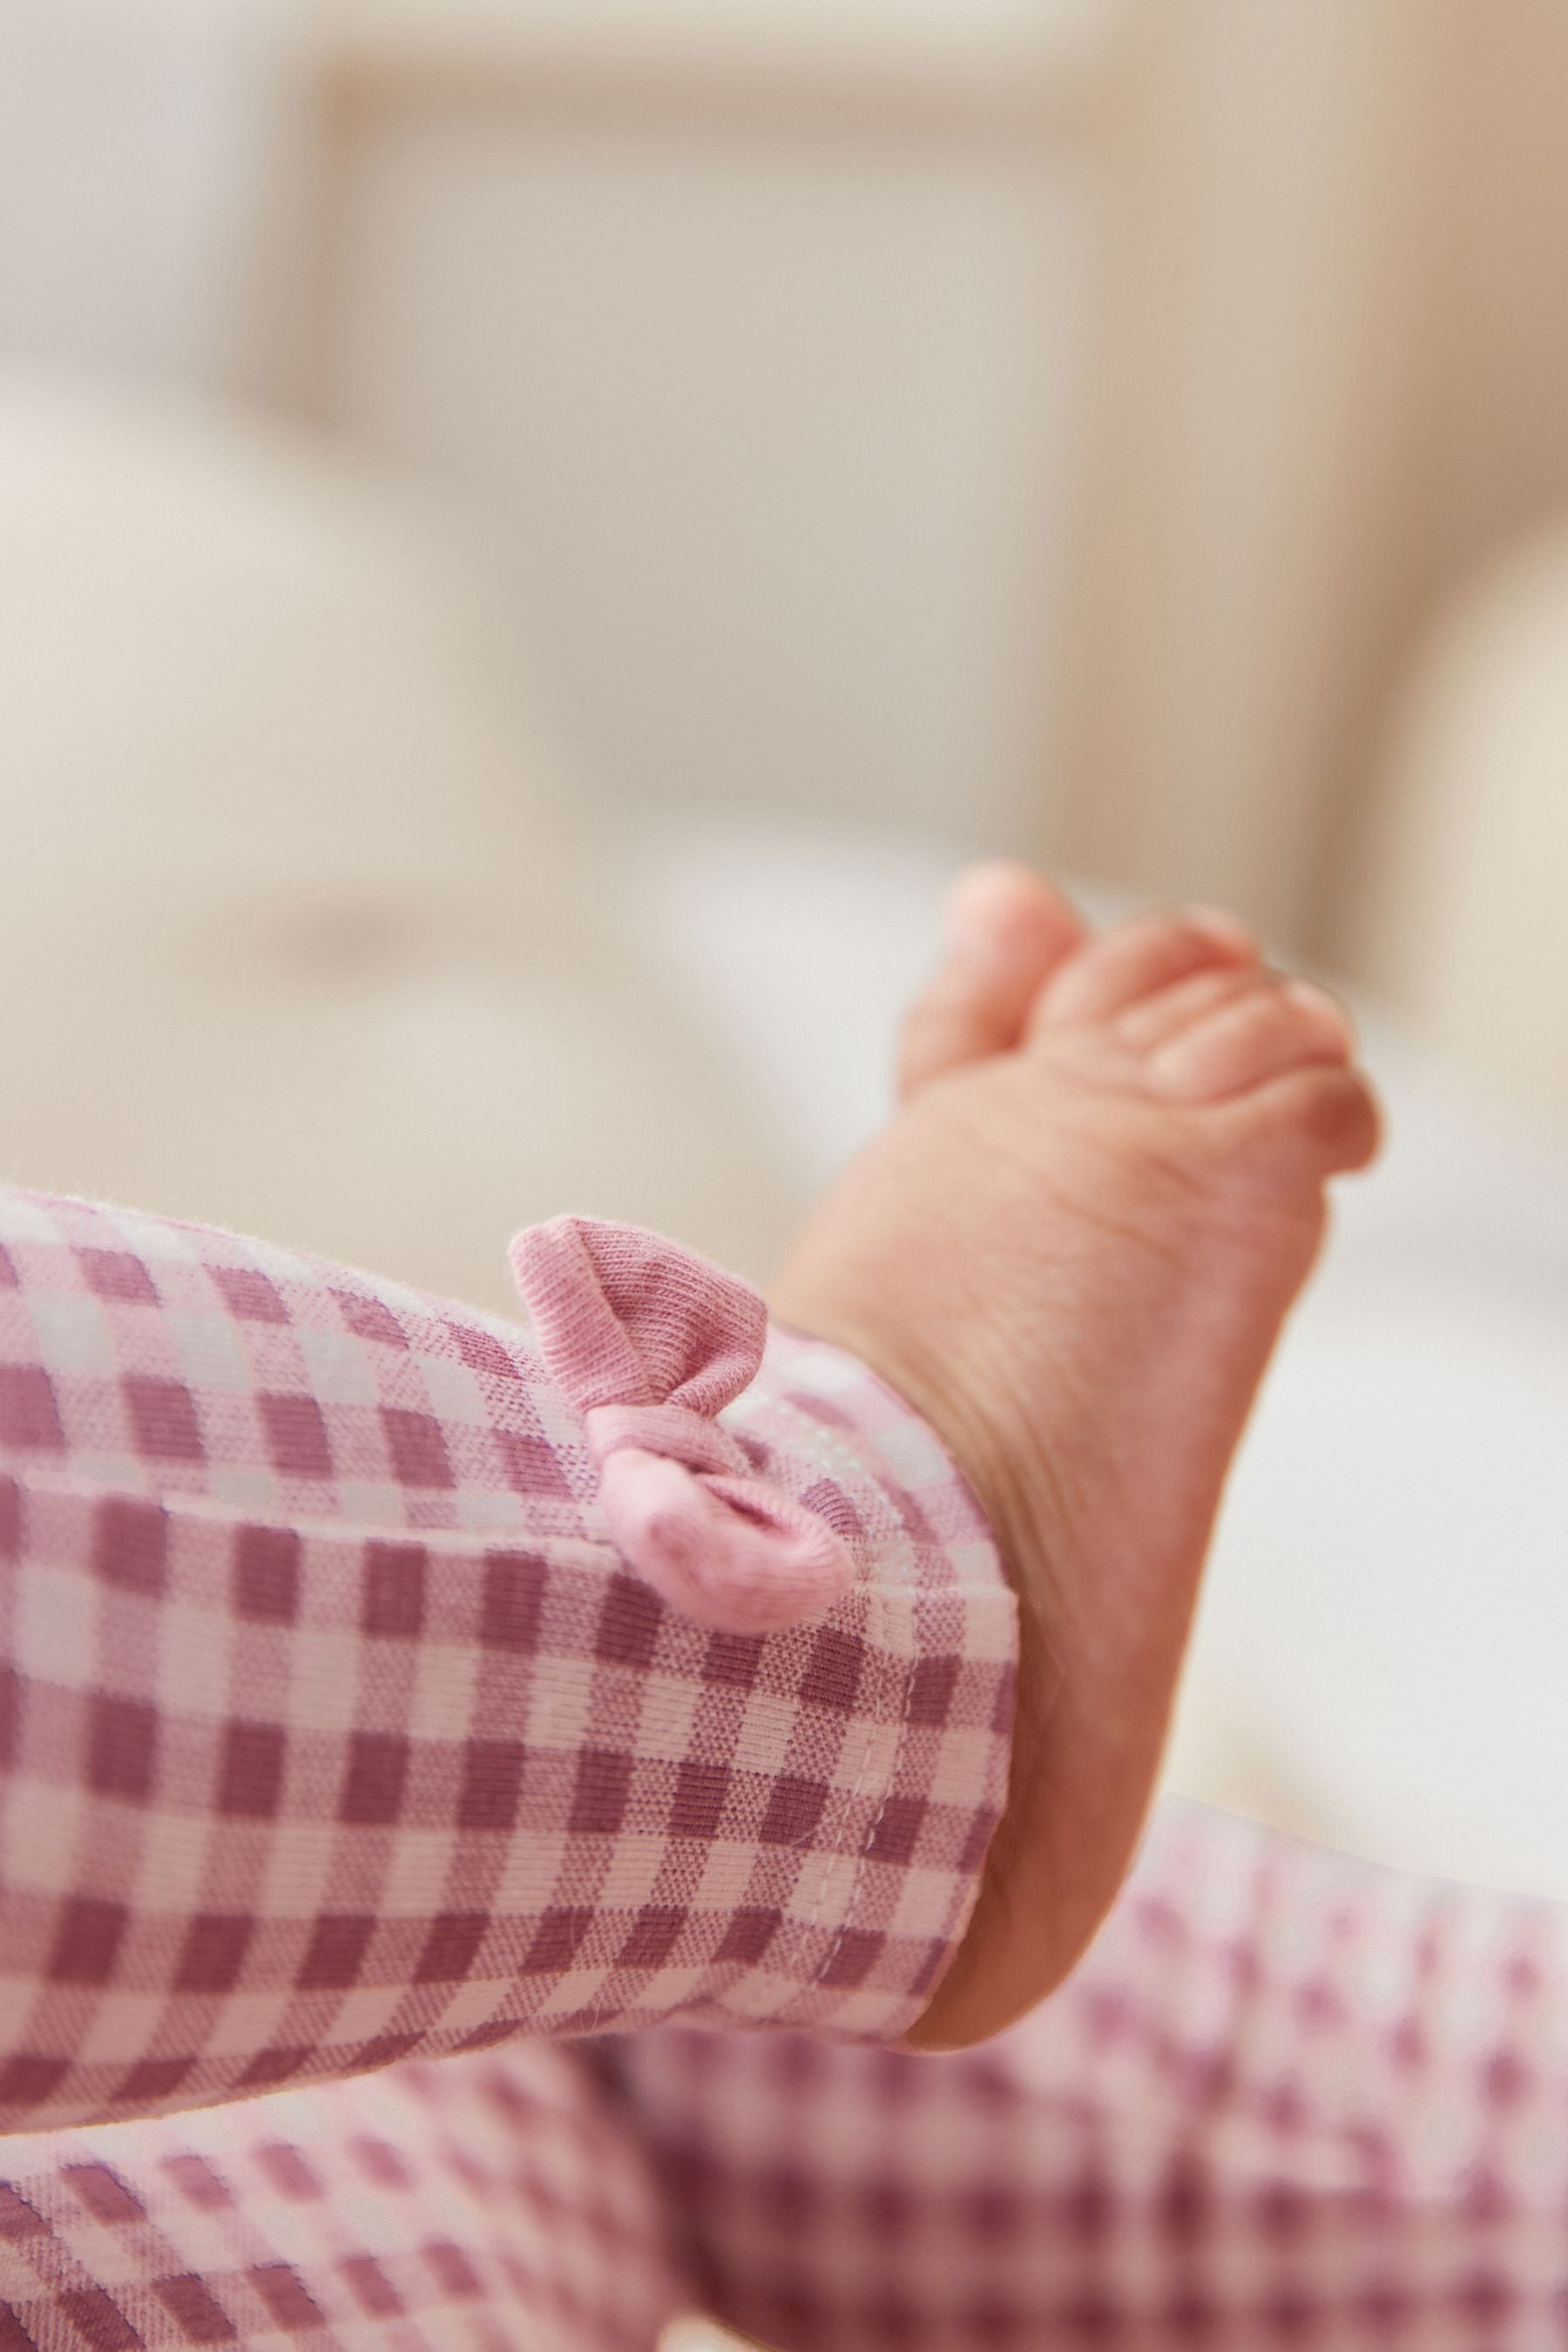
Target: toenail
{"type": "Point", "coordinates": [970, 925]}
{"type": "Point", "coordinates": [973, 947]}
{"type": "Point", "coordinates": [982, 888]}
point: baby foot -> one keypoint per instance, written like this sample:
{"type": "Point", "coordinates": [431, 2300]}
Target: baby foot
{"type": "Point", "coordinates": [1072, 1251]}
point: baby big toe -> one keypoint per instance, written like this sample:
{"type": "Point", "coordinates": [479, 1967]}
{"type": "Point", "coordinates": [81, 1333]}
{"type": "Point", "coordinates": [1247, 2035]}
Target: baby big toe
{"type": "Point", "coordinates": [1263, 1032]}
{"type": "Point", "coordinates": [1006, 932]}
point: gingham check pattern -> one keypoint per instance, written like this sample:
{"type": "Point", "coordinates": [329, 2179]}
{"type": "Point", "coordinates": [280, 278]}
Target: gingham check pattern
{"type": "Point", "coordinates": [1286, 2101]}
{"type": "Point", "coordinates": [489, 2204]}
{"type": "Point", "coordinates": [282, 1579]}
{"type": "Point", "coordinates": [335, 1734]}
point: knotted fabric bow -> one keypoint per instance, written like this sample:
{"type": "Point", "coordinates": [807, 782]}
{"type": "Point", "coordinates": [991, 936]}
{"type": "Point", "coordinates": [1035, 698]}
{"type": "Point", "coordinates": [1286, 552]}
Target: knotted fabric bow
{"type": "Point", "coordinates": [648, 1343]}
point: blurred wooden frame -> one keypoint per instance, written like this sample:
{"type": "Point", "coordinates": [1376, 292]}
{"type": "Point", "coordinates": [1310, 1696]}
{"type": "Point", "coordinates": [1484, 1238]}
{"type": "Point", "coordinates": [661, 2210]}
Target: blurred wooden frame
{"type": "Point", "coordinates": [376, 66]}
{"type": "Point", "coordinates": [1305, 411]}
{"type": "Point", "coordinates": [372, 70]}
{"type": "Point", "coordinates": [1333, 378]}
{"type": "Point", "coordinates": [483, 70]}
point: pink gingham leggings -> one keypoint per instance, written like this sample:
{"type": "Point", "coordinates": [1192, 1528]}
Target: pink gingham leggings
{"type": "Point", "coordinates": [439, 1916]}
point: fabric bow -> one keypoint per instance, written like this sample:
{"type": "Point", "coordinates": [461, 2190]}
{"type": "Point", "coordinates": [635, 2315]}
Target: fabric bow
{"type": "Point", "coordinates": [648, 1343]}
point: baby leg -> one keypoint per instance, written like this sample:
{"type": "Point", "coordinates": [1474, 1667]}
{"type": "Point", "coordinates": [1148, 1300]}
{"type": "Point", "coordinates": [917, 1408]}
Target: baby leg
{"type": "Point", "coordinates": [1287, 2099]}
{"type": "Point", "coordinates": [493, 2203]}
{"type": "Point", "coordinates": [1073, 1251]}
{"type": "Point", "coordinates": [336, 1731]}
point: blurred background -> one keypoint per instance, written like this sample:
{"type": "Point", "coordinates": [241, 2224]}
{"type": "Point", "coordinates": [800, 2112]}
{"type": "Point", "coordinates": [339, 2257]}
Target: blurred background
{"type": "Point", "coordinates": [535, 535]}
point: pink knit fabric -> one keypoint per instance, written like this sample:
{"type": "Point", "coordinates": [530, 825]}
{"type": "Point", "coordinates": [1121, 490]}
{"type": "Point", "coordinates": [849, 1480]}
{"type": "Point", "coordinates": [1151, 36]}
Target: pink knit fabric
{"type": "Point", "coordinates": [648, 1343]}
{"type": "Point", "coordinates": [334, 1738]}
{"type": "Point", "coordinates": [334, 1730]}
{"type": "Point", "coordinates": [1287, 2102]}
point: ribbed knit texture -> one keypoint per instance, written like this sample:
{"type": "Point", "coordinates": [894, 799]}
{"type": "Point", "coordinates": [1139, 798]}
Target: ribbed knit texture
{"type": "Point", "coordinates": [648, 1344]}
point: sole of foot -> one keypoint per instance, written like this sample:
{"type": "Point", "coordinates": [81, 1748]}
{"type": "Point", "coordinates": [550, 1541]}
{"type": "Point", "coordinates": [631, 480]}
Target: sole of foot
{"type": "Point", "coordinates": [1072, 1251]}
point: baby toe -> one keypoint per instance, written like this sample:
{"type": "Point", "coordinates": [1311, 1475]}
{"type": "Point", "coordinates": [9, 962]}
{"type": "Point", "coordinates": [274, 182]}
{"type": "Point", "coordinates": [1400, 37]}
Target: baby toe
{"type": "Point", "coordinates": [1008, 931]}
{"type": "Point", "coordinates": [1151, 1020]}
{"type": "Point", "coordinates": [1124, 965]}
{"type": "Point", "coordinates": [1312, 1123]}
{"type": "Point", "coordinates": [1261, 1033]}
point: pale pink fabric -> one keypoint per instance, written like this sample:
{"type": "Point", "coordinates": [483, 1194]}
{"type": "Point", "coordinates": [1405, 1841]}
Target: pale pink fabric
{"type": "Point", "coordinates": [335, 1734]}
{"type": "Point", "coordinates": [332, 1734]}
{"type": "Point", "coordinates": [334, 1730]}
{"type": "Point", "coordinates": [648, 1344]}
{"type": "Point", "coordinates": [492, 2203]}
{"type": "Point", "coordinates": [1287, 2102]}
